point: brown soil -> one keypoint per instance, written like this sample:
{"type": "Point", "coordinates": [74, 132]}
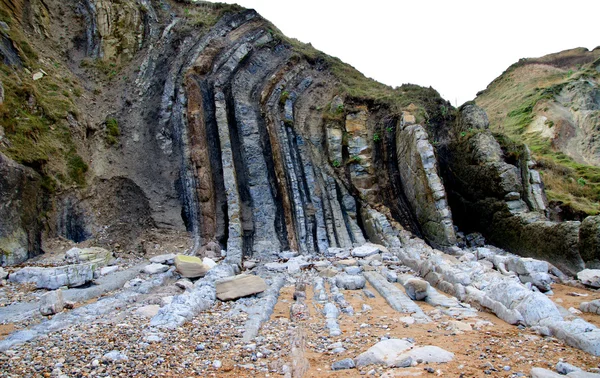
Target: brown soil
{"type": "Point", "coordinates": [491, 347]}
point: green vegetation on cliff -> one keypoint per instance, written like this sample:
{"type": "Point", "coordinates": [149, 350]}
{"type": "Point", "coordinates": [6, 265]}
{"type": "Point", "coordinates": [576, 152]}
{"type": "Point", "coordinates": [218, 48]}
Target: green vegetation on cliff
{"type": "Point", "coordinates": [520, 104]}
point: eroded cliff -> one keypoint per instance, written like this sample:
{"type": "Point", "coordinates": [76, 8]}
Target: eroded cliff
{"type": "Point", "coordinates": [146, 115]}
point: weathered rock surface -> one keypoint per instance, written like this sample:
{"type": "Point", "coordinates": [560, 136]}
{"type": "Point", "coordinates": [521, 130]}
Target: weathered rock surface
{"type": "Point", "coordinates": [350, 282]}
{"type": "Point", "coordinates": [387, 352]}
{"type": "Point", "coordinates": [20, 206]}
{"type": "Point", "coordinates": [190, 266]}
{"type": "Point", "coordinates": [83, 255]}
{"type": "Point", "coordinates": [52, 302]}
{"type": "Point", "coordinates": [239, 286]}
{"type": "Point", "coordinates": [54, 278]}
{"type": "Point", "coordinates": [590, 277]}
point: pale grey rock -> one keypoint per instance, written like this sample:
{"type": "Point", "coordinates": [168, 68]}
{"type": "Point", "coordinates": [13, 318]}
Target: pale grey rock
{"type": "Point", "coordinates": [108, 270]}
{"type": "Point", "coordinates": [593, 306]}
{"type": "Point", "coordinates": [115, 356]}
{"type": "Point", "coordinates": [208, 262]}
{"type": "Point", "coordinates": [148, 311]}
{"type": "Point", "coordinates": [84, 255]}
{"type": "Point", "coordinates": [276, 267]}
{"type": "Point", "coordinates": [346, 363]}
{"type": "Point", "coordinates": [387, 352]}
{"type": "Point", "coordinates": [417, 289]}
{"type": "Point", "coordinates": [350, 282]}
{"type": "Point", "coordinates": [3, 273]}
{"type": "Point", "coordinates": [239, 286]}
{"type": "Point", "coordinates": [365, 250]}
{"type": "Point", "coordinates": [155, 268]}
{"type": "Point", "coordinates": [368, 293]}
{"type": "Point", "coordinates": [543, 373]}
{"type": "Point", "coordinates": [286, 255]}
{"type": "Point", "coordinates": [429, 354]}
{"type": "Point", "coordinates": [168, 259]}
{"type": "Point", "coordinates": [527, 266]}
{"type": "Point", "coordinates": [248, 264]}
{"type": "Point", "coordinates": [395, 297]}
{"type": "Point", "coordinates": [566, 368]}
{"type": "Point", "coordinates": [541, 280]}
{"type": "Point", "coordinates": [389, 275]}
{"type": "Point", "coordinates": [590, 277]}
{"type": "Point", "coordinates": [52, 302]}
{"type": "Point", "coordinates": [353, 270]}
{"type": "Point", "coordinates": [583, 374]}
{"type": "Point", "coordinates": [54, 278]}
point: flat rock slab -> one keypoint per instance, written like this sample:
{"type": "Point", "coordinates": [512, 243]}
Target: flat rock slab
{"type": "Point", "coordinates": [428, 354]}
{"type": "Point", "coordinates": [239, 286]}
{"type": "Point", "coordinates": [395, 297]}
{"type": "Point", "coordinates": [155, 268]}
{"type": "Point", "coordinates": [366, 250]}
{"type": "Point", "coordinates": [387, 352]}
{"type": "Point", "coordinates": [168, 259]}
{"type": "Point", "coordinates": [148, 311]}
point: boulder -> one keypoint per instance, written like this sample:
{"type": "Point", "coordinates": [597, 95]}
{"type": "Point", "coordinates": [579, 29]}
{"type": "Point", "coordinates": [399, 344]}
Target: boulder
{"type": "Point", "coordinates": [346, 363]}
{"type": "Point", "coordinates": [20, 207]}
{"type": "Point", "coordinates": [168, 259]}
{"type": "Point", "coordinates": [590, 277]}
{"type": "Point", "coordinates": [190, 266]}
{"type": "Point", "coordinates": [93, 254]}
{"type": "Point", "coordinates": [387, 352]}
{"type": "Point", "coordinates": [416, 288]}
{"type": "Point", "coordinates": [593, 306]}
{"type": "Point", "coordinates": [239, 286]}
{"type": "Point", "coordinates": [542, 281]}
{"type": "Point", "coordinates": [52, 302]}
{"type": "Point", "coordinates": [428, 354]}
{"type": "Point", "coordinates": [54, 278]}
{"type": "Point", "coordinates": [565, 368]}
{"type": "Point", "coordinates": [526, 266]}
{"type": "Point", "coordinates": [350, 282]}
{"type": "Point", "coordinates": [365, 250]}
{"type": "Point", "coordinates": [155, 268]}
{"type": "Point", "coordinates": [115, 356]}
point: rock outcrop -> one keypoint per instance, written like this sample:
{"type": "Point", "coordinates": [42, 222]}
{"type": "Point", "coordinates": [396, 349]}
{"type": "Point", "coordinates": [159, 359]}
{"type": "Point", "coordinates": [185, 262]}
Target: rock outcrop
{"type": "Point", "coordinates": [20, 206]}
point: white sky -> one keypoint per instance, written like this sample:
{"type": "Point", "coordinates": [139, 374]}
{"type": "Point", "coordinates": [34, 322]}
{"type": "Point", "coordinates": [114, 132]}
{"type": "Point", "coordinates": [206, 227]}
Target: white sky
{"type": "Point", "coordinates": [457, 47]}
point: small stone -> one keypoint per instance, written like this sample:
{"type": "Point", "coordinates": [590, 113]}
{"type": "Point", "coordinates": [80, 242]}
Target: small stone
{"type": "Point", "coordinates": [155, 268]}
{"type": "Point", "coordinates": [239, 286]}
{"type": "Point", "coordinates": [52, 302]}
{"type": "Point", "coordinates": [368, 293]}
{"type": "Point", "coordinates": [346, 363]}
{"type": "Point", "coordinates": [217, 364]}
{"type": "Point", "coordinates": [3, 274]}
{"type": "Point", "coordinates": [37, 76]}
{"type": "Point", "coordinates": [168, 259]}
{"type": "Point", "coordinates": [365, 250]}
{"type": "Point", "coordinates": [115, 356]}
{"type": "Point", "coordinates": [249, 264]}
{"type": "Point", "coordinates": [350, 282]}
{"type": "Point", "coordinates": [108, 270]}
{"type": "Point", "coordinates": [416, 289]}
{"type": "Point", "coordinates": [566, 368]}
{"type": "Point", "coordinates": [95, 363]}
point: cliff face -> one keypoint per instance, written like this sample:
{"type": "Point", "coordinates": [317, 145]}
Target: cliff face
{"type": "Point", "coordinates": [553, 104]}
{"type": "Point", "coordinates": [205, 118]}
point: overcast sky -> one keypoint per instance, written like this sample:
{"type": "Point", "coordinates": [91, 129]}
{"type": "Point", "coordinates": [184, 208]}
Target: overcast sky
{"type": "Point", "coordinates": [457, 47]}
